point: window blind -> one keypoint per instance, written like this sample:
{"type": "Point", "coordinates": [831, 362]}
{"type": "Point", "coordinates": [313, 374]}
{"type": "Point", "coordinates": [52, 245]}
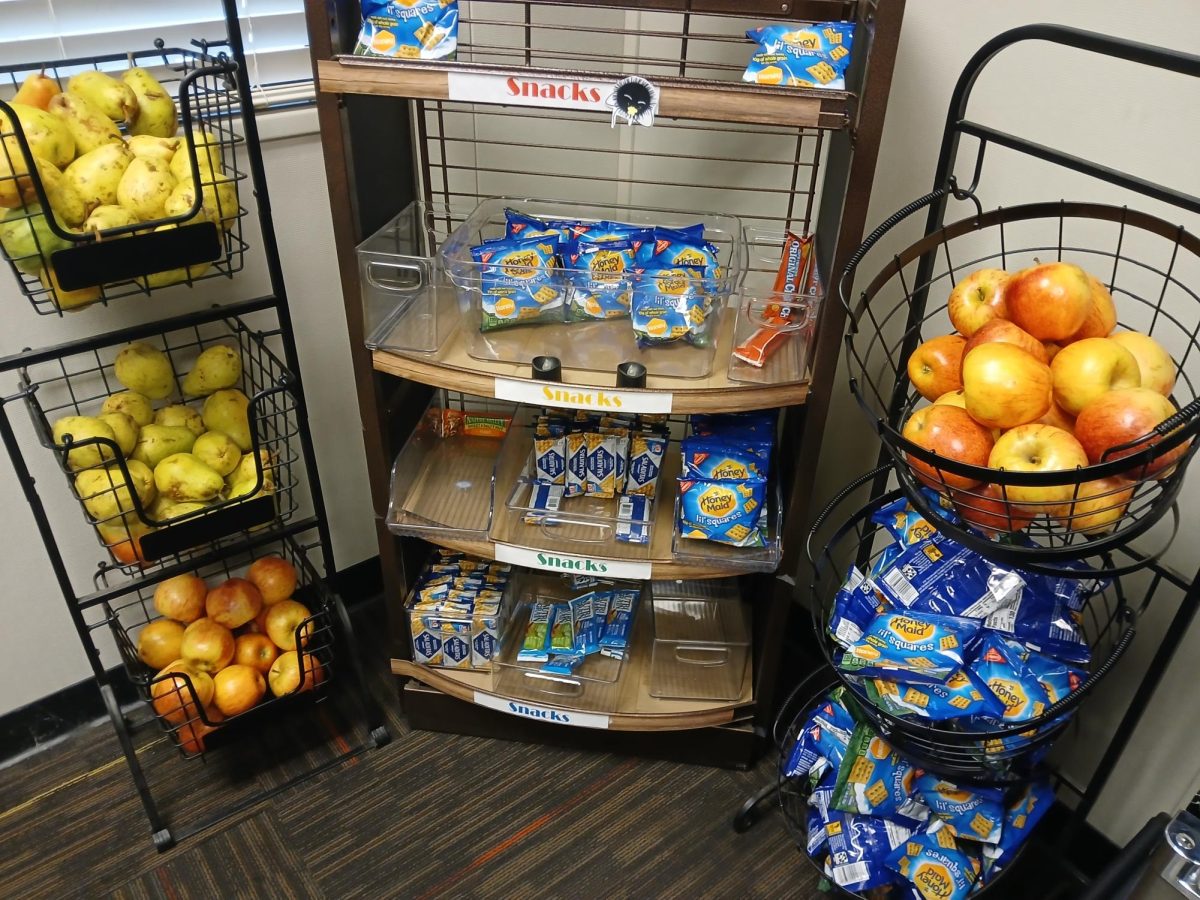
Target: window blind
{"type": "Point", "coordinates": [273, 31]}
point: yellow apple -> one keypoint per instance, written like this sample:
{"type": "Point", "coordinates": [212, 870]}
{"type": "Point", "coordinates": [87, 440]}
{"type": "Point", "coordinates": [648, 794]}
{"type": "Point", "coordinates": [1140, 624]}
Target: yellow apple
{"type": "Point", "coordinates": [976, 300]}
{"type": "Point", "coordinates": [284, 677]}
{"type": "Point", "coordinates": [935, 367]}
{"type": "Point", "coordinates": [1004, 386]}
{"type": "Point", "coordinates": [1155, 364]}
{"type": "Point", "coordinates": [1050, 300]}
{"type": "Point", "coordinates": [1038, 448]}
{"type": "Point", "coordinates": [1097, 506]}
{"type": "Point", "coordinates": [282, 620]}
{"type": "Point", "coordinates": [207, 645]}
{"type": "Point", "coordinates": [158, 643]}
{"type": "Point", "coordinates": [1088, 369]}
{"type": "Point", "coordinates": [255, 650]}
{"type": "Point", "coordinates": [238, 688]}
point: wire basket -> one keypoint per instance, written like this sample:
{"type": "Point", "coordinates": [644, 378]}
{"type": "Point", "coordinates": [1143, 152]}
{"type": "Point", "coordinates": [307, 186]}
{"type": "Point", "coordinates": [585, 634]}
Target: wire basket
{"type": "Point", "coordinates": [977, 753]}
{"type": "Point", "coordinates": [66, 261]}
{"type": "Point", "coordinates": [1146, 263]}
{"type": "Point", "coordinates": [195, 727]}
{"type": "Point", "coordinates": [137, 531]}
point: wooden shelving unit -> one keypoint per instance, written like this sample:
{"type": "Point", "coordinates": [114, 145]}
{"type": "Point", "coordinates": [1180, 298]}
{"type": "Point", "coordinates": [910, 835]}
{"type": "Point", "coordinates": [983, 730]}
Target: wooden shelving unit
{"type": "Point", "coordinates": [781, 158]}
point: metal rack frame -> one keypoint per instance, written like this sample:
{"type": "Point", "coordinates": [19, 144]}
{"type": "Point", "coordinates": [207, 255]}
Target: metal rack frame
{"type": "Point", "coordinates": [382, 152]}
{"type": "Point", "coordinates": [110, 590]}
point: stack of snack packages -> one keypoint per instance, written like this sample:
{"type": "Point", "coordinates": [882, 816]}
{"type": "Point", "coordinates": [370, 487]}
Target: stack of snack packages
{"type": "Point", "coordinates": [597, 456]}
{"type": "Point", "coordinates": [723, 488]}
{"type": "Point", "coordinates": [876, 823]}
{"type": "Point", "coordinates": [661, 279]}
{"type": "Point", "coordinates": [456, 611]}
{"type": "Point", "coordinates": [561, 635]}
{"type": "Point", "coordinates": [794, 54]}
{"type": "Point", "coordinates": [937, 632]}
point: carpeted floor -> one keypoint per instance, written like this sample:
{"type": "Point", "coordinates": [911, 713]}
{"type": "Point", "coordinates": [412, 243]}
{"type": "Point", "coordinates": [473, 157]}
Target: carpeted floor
{"type": "Point", "coordinates": [427, 816]}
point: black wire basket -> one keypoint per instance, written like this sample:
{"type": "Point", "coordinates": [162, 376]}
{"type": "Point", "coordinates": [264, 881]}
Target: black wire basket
{"type": "Point", "coordinates": [196, 727]}
{"type": "Point", "coordinates": [794, 791]}
{"type": "Point", "coordinates": [66, 261]}
{"type": "Point", "coordinates": [980, 754]}
{"type": "Point", "coordinates": [138, 532]}
{"type": "Point", "coordinates": [1034, 518]}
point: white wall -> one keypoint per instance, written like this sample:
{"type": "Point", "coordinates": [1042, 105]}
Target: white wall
{"type": "Point", "coordinates": [39, 653]}
{"type": "Point", "coordinates": [1121, 115]}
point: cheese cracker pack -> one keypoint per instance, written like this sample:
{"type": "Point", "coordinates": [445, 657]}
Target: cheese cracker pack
{"type": "Point", "coordinates": [798, 55]}
{"type": "Point", "coordinates": [937, 865]}
{"type": "Point", "coordinates": [519, 281]}
{"type": "Point", "coordinates": [874, 780]}
{"type": "Point", "coordinates": [409, 29]}
{"type": "Point", "coordinates": [976, 814]}
{"type": "Point", "coordinates": [918, 647]}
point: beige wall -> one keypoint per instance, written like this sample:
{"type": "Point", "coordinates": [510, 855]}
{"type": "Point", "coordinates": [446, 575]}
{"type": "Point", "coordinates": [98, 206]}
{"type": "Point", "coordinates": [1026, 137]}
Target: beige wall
{"type": "Point", "coordinates": [1127, 119]}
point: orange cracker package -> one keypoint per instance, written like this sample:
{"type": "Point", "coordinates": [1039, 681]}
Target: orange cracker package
{"type": "Point", "coordinates": [798, 279]}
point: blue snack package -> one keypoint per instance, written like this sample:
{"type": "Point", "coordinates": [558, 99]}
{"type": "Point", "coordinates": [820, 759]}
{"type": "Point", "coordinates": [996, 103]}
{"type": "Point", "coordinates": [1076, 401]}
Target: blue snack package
{"type": "Point", "coordinates": [535, 647]}
{"type": "Point", "coordinates": [975, 814]}
{"type": "Point", "coordinates": [886, 557]}
{"type": "Point", "coordinates": [727, 512]}
{"type": "Point", "coordinates": [688, 233]}
{"type": "Point", "coordinates": [599, 276]}
{"type": "Point", "coordinates": [520, 226]}
{"type": "Point", "coordinates": [859, 847]}
{"type": "Point", "coordinates": [724, 457]}
{"type": "Point", "coordinates": [670, 303]}
{"type": "Point", "coordinates": [587, 628]}
{"type": "Point", "coordinates": [818, 814]}
{"type": "Point", "coordinates": [1047, 616]}
{"type": "Point", "coordinates": [821, 744]}
{"type": "Point", "coordinates": [1022, 815]}
{"type": "Point", "coordinates": [409, 29]}
{"type": "Point", "coordinates": [633, 519]}
{"type": "Point", "coordinates": [622, 606]}
{"type": "Point", "coordinates": [646, 454]}
{"type": "Point", "coordinates": [1000, 665]}
{"type": "Point", "coordinates": [676, 249]}
{"type": "Point", "coordinates": [757, 422]}
{"type": "Point", "coordinates": [874, 780]}
{"type": "Point", "coordinates": [798, 55]}
{"type": "Point", "coordinates": [519, 281]}
{"type": "Point", "coordinates": [963, 694]}
{"type": "Point", "coordinates": [1059, 679]}
{"type": "Point", "coordinates": [938, 867]}
{"type": "Point", "coordinates": [939, 575]}
{"type": "Point", "coordinates": [918, 647]}
{"type": "Point", "coordinates": [855, 606]}
{"type": "Point", "coordinates": [904, 523]}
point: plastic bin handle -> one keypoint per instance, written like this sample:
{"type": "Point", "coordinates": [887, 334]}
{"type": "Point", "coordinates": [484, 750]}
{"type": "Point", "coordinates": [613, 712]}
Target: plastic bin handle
{"type": "Point", "coordinates": [400, 267]}
{"type": "Point", "coordinates": [707, 657]}
{"type": "Point", "coordinates": [561, 687]}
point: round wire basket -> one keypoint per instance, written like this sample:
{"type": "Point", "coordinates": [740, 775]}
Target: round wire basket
{"type": "Point", "coordinates": [1035, 516]}
{"type": "Point", "coordinates": [981, 752]}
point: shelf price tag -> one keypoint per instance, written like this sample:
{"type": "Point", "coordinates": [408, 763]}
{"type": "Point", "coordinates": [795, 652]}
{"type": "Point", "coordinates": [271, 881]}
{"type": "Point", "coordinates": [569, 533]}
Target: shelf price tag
{"type": "Point", "coordinates": [526, 710]}
{"type": "Point", "coordinates": [542, 91]}
{"type": "Point", "coordinates": [634, 570]}
{"type": "Point", "coordinates": [579, 396]}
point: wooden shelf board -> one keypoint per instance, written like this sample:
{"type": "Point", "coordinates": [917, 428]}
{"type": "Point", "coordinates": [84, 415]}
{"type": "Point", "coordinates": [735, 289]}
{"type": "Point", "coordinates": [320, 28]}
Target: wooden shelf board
{"type": "Point", "coordinates": [684, 98]}
{"type": "Point", "coordinates": [453, 368]}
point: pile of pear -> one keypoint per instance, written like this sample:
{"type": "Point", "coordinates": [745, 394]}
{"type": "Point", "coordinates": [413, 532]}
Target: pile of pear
{"type": "Point", "coordinates": [108, 154]}
{"type": "Point", "coordinates": [180, 459]}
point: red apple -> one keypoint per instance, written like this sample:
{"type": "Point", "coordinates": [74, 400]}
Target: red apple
{"type": "Point", "coordinates": [170, 695]}
{"type": "Point", "coordinates": [1005, 386]}
{"type": "Point", "coordinates": [207, 645]}
{"type": "Point", "coordinates": [238, 688]}
{"type": "Point", "coordinates": [1119, 417]}
{"type": "Point", "coordinates": [959, 399]}
{"type": "Point", "coordinates": [936, 366]}
{"type": "Point", "coordinates": [1098, 505]}
{"type": "Point", "coordinates": [1059, 419]}
{"type": "Point", "coordinates": [1102, 317]}
{"type": "Point", "coordinates": [274, 577]}
{"type": "Point", "coordinates": [1087, 369]}
{"type": "Point", "coordinates": [284, 677]}
{"type": "Point", "coordinates": [986, 508]}
{"type": "Point", "coordinates": [1050, 300]}
{"type": "Point", "coordinates": [255, 650]}
{"type": "Point", "coordinates": [949, 432]}
{"type": "Point", "coordinates": [181, 598]}
{"type": "Point", "coordinates": [283, 618]}
{"type": "Point", "coordinates": [1052, 349]}
{"type": "Point", "coordinates": [1157, 368]}
{"type": "Point", "coordinates": [1038, 448]}
{"type": "Point", "coordinates": [233, 603]}
{"type": "Point", "coordinates": [977, 300]}
{"type": "Point", "coordinates": [1005, 332]}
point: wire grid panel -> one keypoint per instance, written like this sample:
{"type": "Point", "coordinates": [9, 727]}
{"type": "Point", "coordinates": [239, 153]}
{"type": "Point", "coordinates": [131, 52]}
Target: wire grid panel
{"type": "Point", "coordinates": [179, 701]}
{"type": "Point", "coordinates": [767, 176]}
{"type": "Point", "coordinates": [206, 91]}
{"type": "Point", "coordinates": [99, 473]}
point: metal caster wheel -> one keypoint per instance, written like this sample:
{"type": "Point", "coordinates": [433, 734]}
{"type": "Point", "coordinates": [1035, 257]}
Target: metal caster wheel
{"type": "Point", "coordinates": [381, 736]}
{"type": "Point", "coordinates": [163, 840]}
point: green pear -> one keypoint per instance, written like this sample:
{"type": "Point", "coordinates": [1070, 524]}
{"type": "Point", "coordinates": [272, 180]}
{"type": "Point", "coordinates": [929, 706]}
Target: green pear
{"type": "Point", "coordinates": [113, 98]}
{"type": "Point", "coordinates": [175, 510]}
{"type": "Point", "coordinates": [145, 369]}
{"type": "Point", "coordinates": [151, 147]}
{"type": "Point", "coordinates": [82, 428]}
{"type": "Point", "coordinates": [89, 127]}
{"type": "Point", "coordinates": [157, 114]}
{"type": "Point", "coordinates": [217, 451]}
{"type": "Point", "coordinates": [136, 406]}
{"type": "Point", "coordinates": [156, 442]}
{"type": "Point", "coordinates": [180, 416]}
{"type": "Point", "coordinates": [241, 480]}
{"type": "Point", "coordinates": [208, 157]}
{"type": "Point", "coordinates": [27, 239]}
{"type": "Point", "coordinates": [96, 174]}
{"type": "Point", "coordinates": [217, 368]}
{"type": "Point", "coordinates": [124, 427]}
{"type": "Point", "coordinates": [106, 494]}
{"type": "Point", "coordinates": [227, 411]}
{"type": "Point", "coordinates": [102, 218]}
{"type": "Point", "coordinates": [144, 188]}
{"type": "Point", "coordinates": [183, 477]}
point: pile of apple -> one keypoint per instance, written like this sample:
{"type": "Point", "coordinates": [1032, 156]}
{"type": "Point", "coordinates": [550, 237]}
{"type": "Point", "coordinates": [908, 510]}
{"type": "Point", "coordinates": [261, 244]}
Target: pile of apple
{"type": "Point", "coordinates": [233, 643]}
{"type": "Point", "coordinates": [1037, 379]}
{"type": "Point", "coordinates": [108, 155]}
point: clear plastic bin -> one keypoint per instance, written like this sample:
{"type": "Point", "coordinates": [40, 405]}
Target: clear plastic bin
{"type": "Point", "coordinates": [699, 552]}
{"type": "Point", "coordinates": [466, 642]}
{"type": "Point", "coordinates": [594, 346]}
{"type": "Point", "coordinates": [701, 640]}
{"type": "Point", "coordinates": [443, 484]}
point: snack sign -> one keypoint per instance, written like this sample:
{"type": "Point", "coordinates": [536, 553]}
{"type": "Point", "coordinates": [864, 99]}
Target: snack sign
{"type": "Point", "coordinates": [555, 93]}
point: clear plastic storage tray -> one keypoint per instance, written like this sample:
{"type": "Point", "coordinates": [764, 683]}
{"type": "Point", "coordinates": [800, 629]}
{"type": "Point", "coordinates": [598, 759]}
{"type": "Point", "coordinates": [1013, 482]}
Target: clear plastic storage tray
{"type": "Point", "coordinates": [759, 311]}
{"type": "Point", "coordinates": [598, 346]}
{"type": "Point", "coordinates": [467, 642]}
{"type": "Point", "coordinates": [701, 640]}
{"type": "Point", "coordinates": [699, 552]}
